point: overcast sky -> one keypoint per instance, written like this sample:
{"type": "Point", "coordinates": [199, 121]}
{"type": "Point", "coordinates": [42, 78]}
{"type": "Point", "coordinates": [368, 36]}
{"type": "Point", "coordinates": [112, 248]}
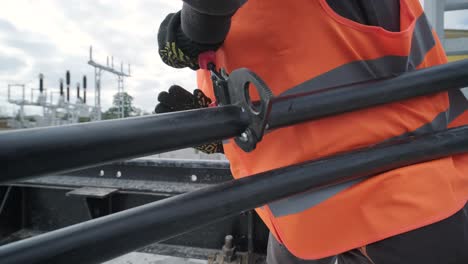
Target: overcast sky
{"type": "Point", "coordinates": [51, 36]}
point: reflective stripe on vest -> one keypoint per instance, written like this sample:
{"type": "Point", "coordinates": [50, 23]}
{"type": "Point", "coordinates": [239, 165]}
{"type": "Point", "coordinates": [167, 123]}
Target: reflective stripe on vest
{"type": "Point", "coordinates": [300, 202]}
{"type": "Point", "coordinates": [387, 66]}
{"type": "Point", "coordinates": [422, 42]}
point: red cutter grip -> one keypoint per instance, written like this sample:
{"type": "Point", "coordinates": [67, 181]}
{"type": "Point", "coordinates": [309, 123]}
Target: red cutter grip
{"type": "Point", "coordinates": [205, 58]}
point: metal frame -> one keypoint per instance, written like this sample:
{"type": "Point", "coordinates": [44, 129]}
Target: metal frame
{"type": "Point", "coordinates": [98, 69]}
{"type": "Point", "coordinates": [52, 111]}
{"type": "Point", "coordinates": [54, 202]}
{"type": "Point", "coordinates": [435, 11]}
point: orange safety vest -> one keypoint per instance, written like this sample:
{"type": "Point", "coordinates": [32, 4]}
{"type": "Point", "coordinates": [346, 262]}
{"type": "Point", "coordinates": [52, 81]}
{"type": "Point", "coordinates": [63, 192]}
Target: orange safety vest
{"type": "Point", "coordinates": [291, 42]}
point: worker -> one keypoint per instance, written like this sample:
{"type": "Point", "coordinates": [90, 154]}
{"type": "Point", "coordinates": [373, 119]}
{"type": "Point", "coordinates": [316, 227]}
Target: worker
{"type": "Point", "coordinates": [414, 214]}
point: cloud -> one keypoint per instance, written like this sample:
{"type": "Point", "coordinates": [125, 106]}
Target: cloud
{"type": "Point", "coordinates": [6, 27]}
{"type": "Point", "coordinates": [34, 47]}
{"type": "Point", "coordinates": [10, 64]}
{"type": "Point", "coordinates": [61, 38]}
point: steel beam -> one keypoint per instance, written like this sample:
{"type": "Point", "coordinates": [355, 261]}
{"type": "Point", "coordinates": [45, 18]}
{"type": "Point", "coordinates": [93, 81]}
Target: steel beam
{"type": "Point", "coordinates": [434, 10]}
{"type": "Point", "coordinates": [110, 236]}
{"type": "Point", "coordinates": [454, 5]}
{"type": "Point", "coordinates": [456, 46]}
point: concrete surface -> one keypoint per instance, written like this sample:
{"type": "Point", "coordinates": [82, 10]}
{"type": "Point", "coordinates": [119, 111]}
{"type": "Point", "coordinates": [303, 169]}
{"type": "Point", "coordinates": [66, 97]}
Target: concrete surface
{"type": "Point", "coordinates": [144, 258]}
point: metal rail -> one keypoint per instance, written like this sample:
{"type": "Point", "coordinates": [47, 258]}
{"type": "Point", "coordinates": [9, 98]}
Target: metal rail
{"type": "Point", "coordinates": [41, 151]}
{"type": "Point", "coordinates": [36, 152]}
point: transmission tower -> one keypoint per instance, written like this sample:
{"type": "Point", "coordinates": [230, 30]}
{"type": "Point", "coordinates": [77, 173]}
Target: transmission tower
{"type": "Point", "coordinates": [98, 69]}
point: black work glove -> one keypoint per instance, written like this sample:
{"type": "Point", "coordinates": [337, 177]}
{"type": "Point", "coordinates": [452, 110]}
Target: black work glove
{"type": "Point", "coordinates": [179, 99]}
{"type": "Point", "coordinates": [201, 26]}
{"type": "Point", "coordinates": [175, 48]}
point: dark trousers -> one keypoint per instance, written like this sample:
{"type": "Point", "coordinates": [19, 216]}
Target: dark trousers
{"type": "Point", "coordinates": [444, 242]}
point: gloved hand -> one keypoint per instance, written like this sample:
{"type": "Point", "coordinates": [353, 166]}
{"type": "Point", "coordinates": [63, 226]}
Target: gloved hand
{"type": "Point", "coordinates": [179, 99]}
{"type": "Point", "coordinates": [175, 48]}
{"type": "Point", "coordinates": [201, 26]}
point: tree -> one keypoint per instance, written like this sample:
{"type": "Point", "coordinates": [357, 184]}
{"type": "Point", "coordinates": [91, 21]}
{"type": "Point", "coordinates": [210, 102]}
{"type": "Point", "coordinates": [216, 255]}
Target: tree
{"type": "Point", "coordinates": [121, 100]}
